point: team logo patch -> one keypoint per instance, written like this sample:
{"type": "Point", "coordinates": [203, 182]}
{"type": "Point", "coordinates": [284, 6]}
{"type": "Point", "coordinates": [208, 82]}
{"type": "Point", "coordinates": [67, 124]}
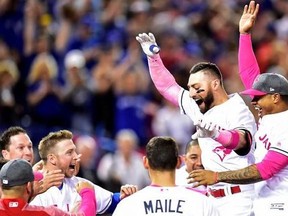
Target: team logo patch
{"type": "Point", "coordinates": [13, 204]}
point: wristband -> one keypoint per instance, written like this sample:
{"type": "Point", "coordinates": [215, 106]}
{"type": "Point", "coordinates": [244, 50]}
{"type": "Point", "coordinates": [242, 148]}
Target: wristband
{"type": "Point", "coordinates": [228, 139]}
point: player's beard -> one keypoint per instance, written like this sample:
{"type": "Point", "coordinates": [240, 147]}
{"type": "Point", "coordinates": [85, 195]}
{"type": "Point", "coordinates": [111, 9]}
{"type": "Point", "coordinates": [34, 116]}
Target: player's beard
{"type": "Point", "coordinates": [208, 101]}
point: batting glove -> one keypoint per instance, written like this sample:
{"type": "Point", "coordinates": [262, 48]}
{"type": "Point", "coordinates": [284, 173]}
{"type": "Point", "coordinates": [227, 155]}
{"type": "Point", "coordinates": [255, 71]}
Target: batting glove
{"type": "Point", "coordinates": [205, 129]}
{"type": "Point", "coordinates": [148, 44]}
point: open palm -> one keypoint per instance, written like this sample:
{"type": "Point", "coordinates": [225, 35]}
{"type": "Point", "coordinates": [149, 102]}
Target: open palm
{"type": "Point", "coordinates": [248, 17]}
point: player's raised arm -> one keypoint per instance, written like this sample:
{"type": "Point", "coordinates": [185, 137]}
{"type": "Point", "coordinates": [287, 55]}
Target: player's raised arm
{"type": "Point", "coordinates": [248, 66]}
{"type": "Point", "coordinates": [161, 77]}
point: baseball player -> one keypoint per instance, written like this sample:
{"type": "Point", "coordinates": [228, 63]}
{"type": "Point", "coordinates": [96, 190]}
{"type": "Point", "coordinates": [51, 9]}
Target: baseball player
{"type": "Point", "coordinates": [192, 161]}
{"type": "Point", "coordinates": [269, 94]}
{"type": "Point", "coordinates": [207, 101]}
{"type": "Point", "coordinates": [17, 177]}
{"type": "Point", "coordinates": [58, 151]}
{"type": "Point", "coordinates": [163, 197]}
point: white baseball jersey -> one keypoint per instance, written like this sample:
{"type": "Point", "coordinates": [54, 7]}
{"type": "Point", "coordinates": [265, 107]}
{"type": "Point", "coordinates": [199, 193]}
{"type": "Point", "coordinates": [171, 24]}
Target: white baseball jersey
{"type": "Point", "coordinates": [154, 200]}
{"type": "Point", "coordinates": [272, 135]}
{"type": "Point", "coordinates": [181, 179]}
{"type": "Point", "coordinates": [232, 114]}
{"type": "Point", "coordinates": [67, 197]}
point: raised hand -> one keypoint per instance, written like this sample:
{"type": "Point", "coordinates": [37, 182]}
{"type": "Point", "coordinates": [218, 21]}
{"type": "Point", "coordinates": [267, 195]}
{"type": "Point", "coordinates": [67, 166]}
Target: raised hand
{"type": "Point", "coordinates": [248, 17]}
{"type": "Point", "coordinates": [205, 129]}
{"type": "Point", "coordinates": [148, 44]}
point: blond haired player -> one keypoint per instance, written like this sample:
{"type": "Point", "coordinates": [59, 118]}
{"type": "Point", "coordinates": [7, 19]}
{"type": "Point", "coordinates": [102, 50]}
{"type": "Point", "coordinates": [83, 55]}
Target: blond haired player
{"type": "Point", "coordinates": [163, 197]}
{"type": "Point", "coordinates": [269, 93]}
{"type": "Point", "coordinates": [58, 151]}
{"type": "Point", "coordinates": [207, 101]}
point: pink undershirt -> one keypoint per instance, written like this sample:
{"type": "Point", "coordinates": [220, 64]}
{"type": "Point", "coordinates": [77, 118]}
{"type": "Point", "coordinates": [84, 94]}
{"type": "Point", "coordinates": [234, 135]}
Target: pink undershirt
{"type": "Point", "coordinates": [248, 65]}
{"type": "Point", "coordinates": [163, 79]}
{"type": "Point", "coordinates": [249, 70]}
{"type": "Point", "coordinates": [88, 196]}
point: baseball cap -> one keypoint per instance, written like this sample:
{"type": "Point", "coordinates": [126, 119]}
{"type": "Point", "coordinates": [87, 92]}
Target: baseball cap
{"type": "Point", "coordinates": [268, 83]}
{"type": "Point", "coordinates": [74, 58]}
{"type": "Point", "coordinates": [18, 172]}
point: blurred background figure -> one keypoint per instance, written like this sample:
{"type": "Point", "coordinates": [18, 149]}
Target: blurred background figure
{"type": "Point", "coordinates": [180, 131]}
{"type": "Point", "coordinates": [125, 165]}
{"type": "Point", "coordinates": [9, 108]}
{"type": "Point", "coordinates": [45, 97]}
{"type": "Point", "coordinates": [77, 92]}
{"type": "Point", "coordinates": [88, 148]}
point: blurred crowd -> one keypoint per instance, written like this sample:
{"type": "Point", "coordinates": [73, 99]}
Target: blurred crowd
{"type": "Point", "coordinates": [75, 64]}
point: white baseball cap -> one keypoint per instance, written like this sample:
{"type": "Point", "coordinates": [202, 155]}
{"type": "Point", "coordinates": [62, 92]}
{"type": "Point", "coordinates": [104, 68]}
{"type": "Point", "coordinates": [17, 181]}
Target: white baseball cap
{"type": "Point", "coordinates": [74, 58]}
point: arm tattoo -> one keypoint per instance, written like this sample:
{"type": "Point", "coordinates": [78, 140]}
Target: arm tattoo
{"type": "Point", "coordinates": [246, 175]}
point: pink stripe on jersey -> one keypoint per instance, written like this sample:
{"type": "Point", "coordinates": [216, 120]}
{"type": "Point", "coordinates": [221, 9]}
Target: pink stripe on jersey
{"type": "Point", "coordinates": [248, 66]}
{"type": "Point", "coordinates": [163, 79]}
{"type": "Point", "coordinates": [273, 163]}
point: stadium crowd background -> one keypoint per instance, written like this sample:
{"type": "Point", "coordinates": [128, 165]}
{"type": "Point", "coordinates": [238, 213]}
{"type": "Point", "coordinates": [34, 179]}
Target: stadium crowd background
{"type": "Point", "coordinates": [75, 64]}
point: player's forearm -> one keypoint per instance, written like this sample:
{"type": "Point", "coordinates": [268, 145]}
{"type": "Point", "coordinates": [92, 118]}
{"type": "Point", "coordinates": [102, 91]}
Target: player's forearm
{"type": "Point", "coordinates": [88, 204]}
{"type": "Point", "coordinates": [248, 66]}
{"type": "Point", "coordinates": [163, 79]}
{"type": "Point", "coordinates": [246, 175]}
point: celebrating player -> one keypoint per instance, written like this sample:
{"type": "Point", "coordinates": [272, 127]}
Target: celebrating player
{"type": "Point", "coordinates": [192, 161]}
{"type": "Point", "coordinates": [269, 94]}
{"type": "Point", "coordinates": [14, 144]}
{"type": "Point", "coordinates": [207, 101]}
{"type": "Point", "coordinates": [58, 151]}
{"type": "Point", "coordinates": [163, 197]}
{"type": "Point", "coordinates": [17, 178]}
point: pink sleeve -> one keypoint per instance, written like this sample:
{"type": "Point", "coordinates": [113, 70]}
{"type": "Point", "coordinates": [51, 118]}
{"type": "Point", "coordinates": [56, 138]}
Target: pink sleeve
{"type": "Point", "coordinates": [88, 204]}
{"type": "Point", "coordinates": [248, 66]}
{"type": "Point", "coordinates": [163, 79]}
{"type": "Point", "coordinates": [273, 163]}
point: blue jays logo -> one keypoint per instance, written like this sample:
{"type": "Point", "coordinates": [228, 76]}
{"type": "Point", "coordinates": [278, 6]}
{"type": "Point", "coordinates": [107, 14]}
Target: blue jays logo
{"type": "Point", "coordinates": [222, 152]}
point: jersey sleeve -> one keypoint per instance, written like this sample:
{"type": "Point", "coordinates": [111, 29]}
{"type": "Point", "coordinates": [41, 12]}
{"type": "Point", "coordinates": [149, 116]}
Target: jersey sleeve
{"type": "Point", "coordinates": [188, 106]}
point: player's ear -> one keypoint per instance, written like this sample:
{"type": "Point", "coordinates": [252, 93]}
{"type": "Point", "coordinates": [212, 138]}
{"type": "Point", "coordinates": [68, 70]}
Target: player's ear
{"type": "Point", "coordinates": [145, 162]}
{"type": "Point", "coordinates": [179, 162]}
{"type": "Point", "coordinates": [215, 83]}
{"type": "Point", "coordinates": [4, 154]}
{"type": "Point", "coordinates": [51, 158]}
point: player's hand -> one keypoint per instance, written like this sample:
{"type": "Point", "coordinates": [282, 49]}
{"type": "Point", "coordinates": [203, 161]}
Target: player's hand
{"type": "Point", "coordinates": [51, 178]}
{"type": "Point", "coordinates": [148, 43]}
{"type": "Point", "coordinates": [205, 129]}
{"type": "Point", "coordinates": [83, 185]}
{"type": "Point", "coordinates": [127, 190]}
{"type": "Point", "coordinates": [202, 177]}
{"type": "Point", "coordinates": [248, 17]}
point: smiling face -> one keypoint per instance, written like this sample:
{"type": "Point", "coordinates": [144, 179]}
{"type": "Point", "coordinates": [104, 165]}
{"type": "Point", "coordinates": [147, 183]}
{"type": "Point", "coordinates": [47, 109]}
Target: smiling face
{"type": "Point", "coordinates": [265, 104]}
{"type": "Point", "coordinates": [200, 90]}
{"type": "Point", "coordinates": [20, 147]}
{"type": "Point", "coordinates": [64, 157]}
{"type": "Point", "coordinates": [193, 158]}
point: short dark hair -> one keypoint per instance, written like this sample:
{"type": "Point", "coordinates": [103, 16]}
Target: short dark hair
{"type": "Point", "coordinates": [192, 142]}
{"type": "Point", "coordinates": [162, 153]}
{"type": "Point", "coordinates": [207, 66]}
{"type": "Point", "coordinates": [7, 134]}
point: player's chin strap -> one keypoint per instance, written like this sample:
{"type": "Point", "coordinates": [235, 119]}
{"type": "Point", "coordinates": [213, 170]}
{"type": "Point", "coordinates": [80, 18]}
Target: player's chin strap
{"type": "Point", "coordinates": [228, 138]}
